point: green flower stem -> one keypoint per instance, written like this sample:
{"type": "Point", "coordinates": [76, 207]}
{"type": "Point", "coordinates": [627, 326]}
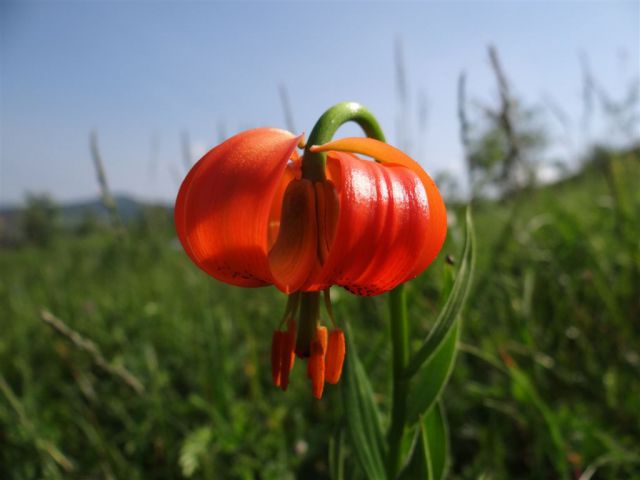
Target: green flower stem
{"type": "Point", "coordinates": [400, 344]}
{"type": "Point", "coordinates": [313, 168]}
{"type": "Point", "coordinates": [313, 164]}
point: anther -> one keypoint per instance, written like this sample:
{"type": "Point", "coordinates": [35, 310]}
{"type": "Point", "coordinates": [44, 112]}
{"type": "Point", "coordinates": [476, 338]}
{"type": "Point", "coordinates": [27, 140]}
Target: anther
{"type": "Point", "coordinates": [315, 366]}
{"type": "Point", "coordinates": [334, 358]}
{"type": "Point", "coordinates": [286, 354]}
{"type": "Point", "coordinates": [277, 343]}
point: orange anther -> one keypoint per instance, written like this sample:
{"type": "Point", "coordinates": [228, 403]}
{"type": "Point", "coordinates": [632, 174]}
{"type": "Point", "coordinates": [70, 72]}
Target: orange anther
{"type": "Point", "coordinates": [291, 340]}
{"type": "Point", "coordinates": [315, 367]}
{"type": "Point", "coordinates": [287, 354]}
{"type": "Point", "coordinates": [334, 358]}
{"type": "Point", "coordinates": [321, 336]}
{"type": "Point", "coordinates": [277, 343]}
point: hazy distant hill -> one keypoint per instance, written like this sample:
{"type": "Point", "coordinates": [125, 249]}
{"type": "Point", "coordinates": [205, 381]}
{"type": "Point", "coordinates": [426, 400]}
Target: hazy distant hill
{"type": "Point", "coordinates": [73, 213]}
{"type": "Point", "coordinates": [128, 208]}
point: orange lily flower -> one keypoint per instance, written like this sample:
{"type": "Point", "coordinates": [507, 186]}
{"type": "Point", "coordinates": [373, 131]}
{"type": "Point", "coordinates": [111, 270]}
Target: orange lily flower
{"type": "Point", "coordinates": [245, 216]}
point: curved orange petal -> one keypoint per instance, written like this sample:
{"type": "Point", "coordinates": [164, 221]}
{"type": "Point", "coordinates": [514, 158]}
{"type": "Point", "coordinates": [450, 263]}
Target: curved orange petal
{"type": "Point", "coordinates": [294, 254]}
{"type": "Point", "coordinates": [223, 207]}
{"type": "Point", "coordinates": [381, 224]}
{"type": "Point", "coordinates": [327, 208]}
{"type": "Point", "coordinates": [291, 172]}
{"type": "Point", "coordinates": [179, 212]}
{"type": "Point", "coordinates": [388, 155]}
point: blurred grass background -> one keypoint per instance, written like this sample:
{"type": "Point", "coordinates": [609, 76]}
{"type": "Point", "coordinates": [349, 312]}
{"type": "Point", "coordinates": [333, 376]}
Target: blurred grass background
{"type": "Point", "coordinates": [120, 359]}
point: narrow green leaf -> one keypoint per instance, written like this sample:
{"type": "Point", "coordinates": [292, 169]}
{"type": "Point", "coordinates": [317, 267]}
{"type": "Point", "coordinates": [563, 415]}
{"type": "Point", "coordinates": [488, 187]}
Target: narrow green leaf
{"type": "Point", "coordinates": [428, 383]}
{"type": "Point", "coordinates": [416, 465]}
{"type": "Point", "coordinates": [435, 441]}
{"type": "Point", "coordinates": [336, 455]}
{"type": "Point", "coordinates": [362, 416]}
{"type": "Point", "coordinates": [429, 456]}
{"type": "Point", "coordinates": [524, 391]}
{"type": "Point", "coordinates": [454, 304]}
{"type": "Point", "coordinates": [431, 366]}
{"type": "Point", "coordinates": [448, 280]}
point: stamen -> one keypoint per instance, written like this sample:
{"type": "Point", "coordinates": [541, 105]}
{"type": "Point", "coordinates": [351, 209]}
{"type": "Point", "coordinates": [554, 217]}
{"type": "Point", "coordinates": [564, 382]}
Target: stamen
{"type": "Point", "coordinates": [277, 343]}
{"type": "Point", "coordinates": [291, 341]}
{"type": "Point", "coordinates": [286, 354]}
{"type": "Point", "coordinates": [291, 307]}
{"type": "Point", "coordinates": [335, 356]}
{"type": "Point", "coordinates": [315, 366]}
{"type": "Point", "coordinates": [327, 304]}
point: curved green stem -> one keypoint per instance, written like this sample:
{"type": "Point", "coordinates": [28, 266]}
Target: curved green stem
{"type": "Point", "coordinates": [313, 168]}
{"type": "Point", "coordinates": [400, 344]}
{"type": "Point", "coordinates": [313, 164]}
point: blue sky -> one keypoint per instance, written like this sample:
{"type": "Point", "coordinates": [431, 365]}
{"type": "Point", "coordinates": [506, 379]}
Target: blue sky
{"type": "Point", "coordinates": [140, 73]}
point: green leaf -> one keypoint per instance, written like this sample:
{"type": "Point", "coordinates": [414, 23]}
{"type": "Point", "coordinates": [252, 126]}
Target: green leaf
{"type": "Point", "coordinates": [416, 465]}
{"type": "Point", "coordinates": [431, 366]}
{"type": "Point", "coordinates": [454, 305]}
{"type": "Point", "coordinates": [194, 449]}
{"type": "Point", "coordinates": [429, 382]}
{"type": "Point", "coordinates": [336, 455]}
{"type": "Point", "coordinates": [428, 459]}
{"type": "Point", "coordinates": [524, 390]}
{"type": "Point", "coordinates": [362, 416]}
{"type": "Point", "coordinates": [435, 441]}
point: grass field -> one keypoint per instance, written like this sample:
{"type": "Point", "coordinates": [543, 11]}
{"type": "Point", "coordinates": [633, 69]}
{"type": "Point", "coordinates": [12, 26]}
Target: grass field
{"type": "Point", "coordinates": [177, 380]}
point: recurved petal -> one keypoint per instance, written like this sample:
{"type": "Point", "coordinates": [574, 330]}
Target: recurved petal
{"type": "Point", "coordinates": [382, 223]}
{"type": "Point", "coordinates": [389, 155]}
{"type": "Point", "coordinates": [223, 207]}
{"type": "Point", "coordinates": [291, 172]}
{"type": "Point", "coordinates": [294, 254]}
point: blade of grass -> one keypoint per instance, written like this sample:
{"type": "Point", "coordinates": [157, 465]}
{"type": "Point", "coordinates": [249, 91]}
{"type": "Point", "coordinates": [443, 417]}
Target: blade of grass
{"type": "Point", "coordinates": [431, 366]}
{"type": "Point", "coordinates": [525, 391]}
{"type": "Point", "coordinates": [429, 382]}
{"type": "Point", "coordinates": [435, 441]}
{"type": "Point", "coordinates": [45, 447]}
{"type": "Point", "coordinates": [429, 456]}
{"type": "Point", "coordinates": [362, 416]}
{"type": "Point", "coordinates": [336, 455]}
{"type": "Point", "coordinates": [454, 304]}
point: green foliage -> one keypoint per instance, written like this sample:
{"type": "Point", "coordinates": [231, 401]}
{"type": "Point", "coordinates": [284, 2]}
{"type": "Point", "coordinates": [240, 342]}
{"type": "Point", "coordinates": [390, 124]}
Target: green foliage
{"type": "Point", "coordinates": [434, 438]}
{"type": "Point", "coordinates": [545, 382]}
{"type": "Point", "coordinates": [557, 302]}
{"type": "Point", "coordinates": [432, 376]}
{"type": "Point", "coordinates": [431, 365]}
{"type": "Point", "coordinates": [429, 456]}
{"type": "Point", "coordinates": [40, 219]}
{"type": "Point", "coordinates": [362, 416]}
{"type": "Point", "coordinates": [195, 450]}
